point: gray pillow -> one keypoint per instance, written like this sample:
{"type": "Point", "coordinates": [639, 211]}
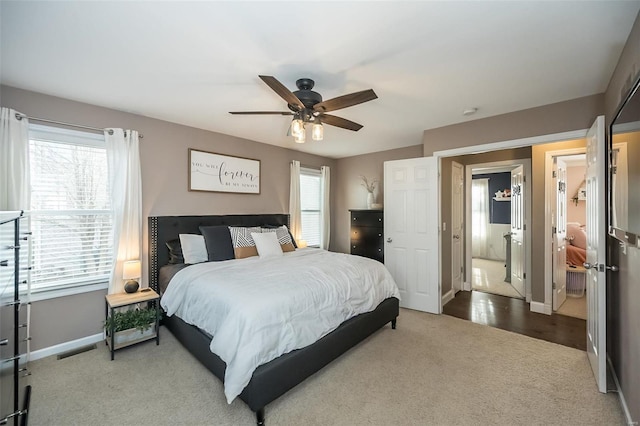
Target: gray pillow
{"type": "Point", "coordinates": [175, 252]}
{"type": "Point", "coordinates": [218, 242]}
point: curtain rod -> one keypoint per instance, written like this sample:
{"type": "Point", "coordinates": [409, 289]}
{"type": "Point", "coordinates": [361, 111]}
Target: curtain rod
{"type": "Point", "coordinates": [44, 120]}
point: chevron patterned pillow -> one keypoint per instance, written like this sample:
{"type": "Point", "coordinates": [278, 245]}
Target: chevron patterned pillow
{"type": "Point", "coordinates": [243, 244]}
{"type": "Point", "coordinates": [284, 237]}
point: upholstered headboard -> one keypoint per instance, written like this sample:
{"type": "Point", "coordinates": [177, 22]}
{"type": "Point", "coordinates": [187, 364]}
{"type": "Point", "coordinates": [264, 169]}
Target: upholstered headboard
{"type": "Point", "coordinates": [166, 228]}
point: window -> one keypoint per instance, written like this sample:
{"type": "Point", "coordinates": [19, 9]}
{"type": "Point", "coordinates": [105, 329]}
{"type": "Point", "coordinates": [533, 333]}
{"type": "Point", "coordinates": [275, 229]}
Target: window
{"type": "Point", "coordinates": [70, 211]}
{"type": "Point", "coordinates": [310, 202]}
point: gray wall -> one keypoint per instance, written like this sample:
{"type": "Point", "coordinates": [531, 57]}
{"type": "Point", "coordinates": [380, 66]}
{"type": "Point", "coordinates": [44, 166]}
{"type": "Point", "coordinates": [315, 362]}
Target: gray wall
{"type": "Point", "coordinates": [163, 157]}
{"type": "Point", "coordinates": [623, 292]}
{"type": "Point", "coordinates": [560, 117]}
{"type": "Point", "coordinates": [351, 195]}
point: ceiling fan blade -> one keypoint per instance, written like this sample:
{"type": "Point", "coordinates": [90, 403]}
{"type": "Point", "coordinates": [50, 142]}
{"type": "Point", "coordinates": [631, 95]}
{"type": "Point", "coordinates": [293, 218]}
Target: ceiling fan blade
{"type": "Point", "coordinates": [281, 90]}
{"type": "Point", "coordinates": [340, 122]}
{"type": "Point", "coordinates": [345, 101]}
{"type": "Point", "coordinates": [261, 112]}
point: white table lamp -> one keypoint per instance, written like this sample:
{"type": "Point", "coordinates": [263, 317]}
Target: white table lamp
{"type": "Point", "coordinates": [131, 270]}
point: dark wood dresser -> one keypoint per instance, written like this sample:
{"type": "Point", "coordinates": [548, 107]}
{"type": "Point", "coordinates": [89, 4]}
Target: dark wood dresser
{"type": "Point", "coordinates": [367, 234]}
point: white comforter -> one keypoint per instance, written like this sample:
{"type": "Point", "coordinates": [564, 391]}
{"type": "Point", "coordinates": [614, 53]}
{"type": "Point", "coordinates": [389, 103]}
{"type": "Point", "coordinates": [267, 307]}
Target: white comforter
{"type": "Point", "coordinates": [258, 309]}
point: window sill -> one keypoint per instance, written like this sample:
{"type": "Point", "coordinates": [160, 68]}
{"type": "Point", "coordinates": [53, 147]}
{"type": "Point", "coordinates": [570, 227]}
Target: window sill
{"type": "Point", "coordinates": [54, 293]}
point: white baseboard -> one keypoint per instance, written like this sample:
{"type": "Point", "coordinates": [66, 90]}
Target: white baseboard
{"type": "Point", "coordinates": [540, 308]}
{"type": "Point", "coordinates": [447, 297]}
{"type": "Point", "coordinates": [623, 401]}
{"type": "Point", "coordinates": [66, 346]}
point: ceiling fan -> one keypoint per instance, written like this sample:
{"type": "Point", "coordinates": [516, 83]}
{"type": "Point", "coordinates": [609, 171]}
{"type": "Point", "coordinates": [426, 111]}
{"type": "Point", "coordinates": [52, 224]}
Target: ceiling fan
{"type": "Point", "coordinates": [307, 106]}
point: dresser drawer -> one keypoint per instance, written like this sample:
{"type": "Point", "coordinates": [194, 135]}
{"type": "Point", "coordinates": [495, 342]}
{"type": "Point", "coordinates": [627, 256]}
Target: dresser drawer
{"type": "Point", "coordinates": [372, 252]}
{"type": "Point", "coordinates": [366, 234]}
{"type": "Point", "coordinates": [366, 218]}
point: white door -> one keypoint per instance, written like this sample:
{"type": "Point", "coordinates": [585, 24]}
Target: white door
{"type": "Point", "coordinates": [518, 230]}
{"type": "Point", "coordinates": [596, 254]}
{"type": "Point", "coordinates": [411, 231]}
{"type": "Point", "coordinates": [559, 223]}
{"type": "Point", "coordinates": [457, 231]}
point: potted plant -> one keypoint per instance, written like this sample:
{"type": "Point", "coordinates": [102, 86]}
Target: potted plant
{"type": "Point", "coordinates": [131, 325]}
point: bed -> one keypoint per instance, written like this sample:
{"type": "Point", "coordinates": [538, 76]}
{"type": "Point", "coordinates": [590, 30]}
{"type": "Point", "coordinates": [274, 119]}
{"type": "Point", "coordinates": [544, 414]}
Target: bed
{"type": "Point", "coordinates": [274, 378]}
{"type": "Point", "coordinates": [576, 249]}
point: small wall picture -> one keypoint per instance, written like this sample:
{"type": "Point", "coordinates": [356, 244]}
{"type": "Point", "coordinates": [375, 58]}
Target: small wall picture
{"type": "Point", "coordinates": [209, 171]}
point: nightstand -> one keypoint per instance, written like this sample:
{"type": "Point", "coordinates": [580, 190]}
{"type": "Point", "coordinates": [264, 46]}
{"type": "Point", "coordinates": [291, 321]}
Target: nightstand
{"type": "Point", "coordinates": [121, 339]}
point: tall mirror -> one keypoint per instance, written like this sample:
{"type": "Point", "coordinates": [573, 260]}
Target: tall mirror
{"type": "Point", "coordinates": [624, 216]}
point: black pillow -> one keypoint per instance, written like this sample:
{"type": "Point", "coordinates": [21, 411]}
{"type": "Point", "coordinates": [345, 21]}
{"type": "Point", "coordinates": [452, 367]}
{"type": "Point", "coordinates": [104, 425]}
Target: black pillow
{"type": "Point", "coordinates": [175, 252]}
{"type": "Point", "coordinates": [293, 240]}
{"type": "Point", "coordinates": [218, 242]}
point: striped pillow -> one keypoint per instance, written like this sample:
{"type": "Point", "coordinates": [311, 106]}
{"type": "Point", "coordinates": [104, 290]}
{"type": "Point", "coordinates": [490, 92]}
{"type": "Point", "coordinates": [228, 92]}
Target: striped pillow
{"type": "Point", "coordinates": [284, 237]}
{"type": "Point", "coordinates": [243, 244]}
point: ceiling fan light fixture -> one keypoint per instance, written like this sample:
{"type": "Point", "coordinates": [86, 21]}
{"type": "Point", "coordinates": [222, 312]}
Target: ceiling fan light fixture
{"type": "Point", "coordinates": [300, 137]}
{"type": "Point", "coordinates": [317, 131]}
{"type": "Point", "coordinates": [297, 127]}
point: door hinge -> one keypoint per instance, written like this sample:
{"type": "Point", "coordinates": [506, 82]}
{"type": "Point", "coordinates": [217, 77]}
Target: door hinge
{"type": "Point", "coordinates": [524, 276]}
{"type": "Point", "coordinates": [614, 169]}
{"type": "Point", "coordinates": [524, 227]}
{"type": "Point", "coordinates": [553, 285]}
{"type": "Point", "coordinates": [554, 174]}
{"type": "Point", "coordinates": [461, 269]}
{"type": "Point", "coordinates": [553, 230]}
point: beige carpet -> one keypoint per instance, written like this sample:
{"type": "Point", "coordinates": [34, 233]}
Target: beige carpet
{"type": "Point", "coordinates": [574, 307]}
{"type": "Point", "coordinates": [432, 370]}
{"type": "Point", "coordinates": [488, 276]}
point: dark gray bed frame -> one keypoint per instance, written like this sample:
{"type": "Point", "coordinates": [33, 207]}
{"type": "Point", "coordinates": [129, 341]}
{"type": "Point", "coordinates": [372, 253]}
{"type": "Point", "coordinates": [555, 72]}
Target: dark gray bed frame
{"type": "Point", "coordinates": [273, 379]}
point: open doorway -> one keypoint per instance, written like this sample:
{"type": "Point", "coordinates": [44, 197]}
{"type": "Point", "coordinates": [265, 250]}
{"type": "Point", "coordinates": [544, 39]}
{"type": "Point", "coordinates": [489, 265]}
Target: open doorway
{"type": "Point", "coordinates": [567, 202]}
{"type": "Point", "coordinates": [491, 223]}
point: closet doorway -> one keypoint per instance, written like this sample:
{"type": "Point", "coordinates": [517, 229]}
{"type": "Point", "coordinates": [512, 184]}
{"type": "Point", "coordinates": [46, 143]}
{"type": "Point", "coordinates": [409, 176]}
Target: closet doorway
{"type": "Point", "coordinates": [496, 249]}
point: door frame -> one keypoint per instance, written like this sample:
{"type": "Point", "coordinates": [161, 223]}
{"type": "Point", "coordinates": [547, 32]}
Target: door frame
{"type": "Point", "coordinates": [506, 164]}
{"type": "Point", "coordinates": [463, 225]}
{"type": "Point", "coordinates": [549, 192]}
{"type": "Point", "coordinates": [496, 146]}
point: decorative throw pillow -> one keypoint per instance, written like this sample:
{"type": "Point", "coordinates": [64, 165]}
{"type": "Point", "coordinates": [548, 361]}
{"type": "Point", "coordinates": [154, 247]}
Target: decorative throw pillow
{"type": "Point", "coordinates": [218, 242]}
{"type": "Point", "coordinates": [267, 244]}
{"type": "Point", "coordinates": [243, 244]}
{"type": "Point", "coordinates": [193, 248]}
{"type": "Point", "coordinates": [284, 237]}
{"type": "Point", "coordinates": [175, 252]}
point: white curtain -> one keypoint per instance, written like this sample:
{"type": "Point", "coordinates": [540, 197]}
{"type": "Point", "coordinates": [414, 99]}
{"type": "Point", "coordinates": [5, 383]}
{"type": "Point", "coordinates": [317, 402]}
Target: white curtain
{"type": "Point", "coordinates": [479, 217]}
{"type": "Point", "coordinates": [295, 215]}
{"type": "Point", "coordinates": [15, 184]}
{"type": "Point", "coordinates": [125, 183]}
{"type": "Point", "coordinates": [325, 211]}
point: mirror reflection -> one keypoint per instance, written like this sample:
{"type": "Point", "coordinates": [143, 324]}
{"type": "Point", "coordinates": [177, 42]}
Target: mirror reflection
{"type": "Point", "coordinates": [625, 170]}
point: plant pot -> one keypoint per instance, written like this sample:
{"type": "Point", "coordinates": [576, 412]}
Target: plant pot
{"type": "Point", "coordinates": [132, 334]}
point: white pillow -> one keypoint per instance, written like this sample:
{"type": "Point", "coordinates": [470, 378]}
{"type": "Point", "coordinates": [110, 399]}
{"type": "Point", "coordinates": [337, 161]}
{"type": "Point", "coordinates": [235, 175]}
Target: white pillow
{"type": "Point", "coordinates": [267, 244]}
{"type": "Point", "coordinates": [194, 249]}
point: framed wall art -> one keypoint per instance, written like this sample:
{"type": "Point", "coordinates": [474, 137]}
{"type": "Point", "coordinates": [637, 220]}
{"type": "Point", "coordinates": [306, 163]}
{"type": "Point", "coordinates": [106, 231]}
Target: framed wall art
{"type": "Point", "coordinates": [209, 171]}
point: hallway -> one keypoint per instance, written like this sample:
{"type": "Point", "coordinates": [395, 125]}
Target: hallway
{"type": "Point", "coordinates": [514, 315]}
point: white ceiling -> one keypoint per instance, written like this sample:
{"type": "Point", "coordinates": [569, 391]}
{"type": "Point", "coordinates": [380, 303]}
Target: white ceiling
{"type": "Point", "coordinates": [192, 62]}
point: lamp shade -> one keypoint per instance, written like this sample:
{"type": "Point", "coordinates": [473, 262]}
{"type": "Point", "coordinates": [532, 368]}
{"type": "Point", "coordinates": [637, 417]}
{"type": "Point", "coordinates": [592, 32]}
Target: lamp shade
{"type": "Point", "coordinates": [297, 127]}
{"type": "Point", "coordinates": [317, 131]}
{"type": "Point", "coordinates": [131, 269]}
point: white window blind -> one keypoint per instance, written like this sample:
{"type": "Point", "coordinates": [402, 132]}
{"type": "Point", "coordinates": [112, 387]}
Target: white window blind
{"type": "Point", "coordinates": [70, 212]}
{"type": "Point", "coordinates": [310, 181]}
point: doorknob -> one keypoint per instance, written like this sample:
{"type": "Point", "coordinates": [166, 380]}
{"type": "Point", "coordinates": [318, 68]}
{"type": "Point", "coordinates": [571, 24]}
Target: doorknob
{"type": "Point", "coordinates": [389, 240]}
{"type": "Point", "coordinates": [456, 237]}
{"type": "Point", "coordinates": [600, 267]}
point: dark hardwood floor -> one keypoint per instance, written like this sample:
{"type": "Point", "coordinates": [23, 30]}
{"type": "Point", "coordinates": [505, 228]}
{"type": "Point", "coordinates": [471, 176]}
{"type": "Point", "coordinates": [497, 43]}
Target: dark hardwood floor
{"type": "Point", "coordinates": [514, 315]}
